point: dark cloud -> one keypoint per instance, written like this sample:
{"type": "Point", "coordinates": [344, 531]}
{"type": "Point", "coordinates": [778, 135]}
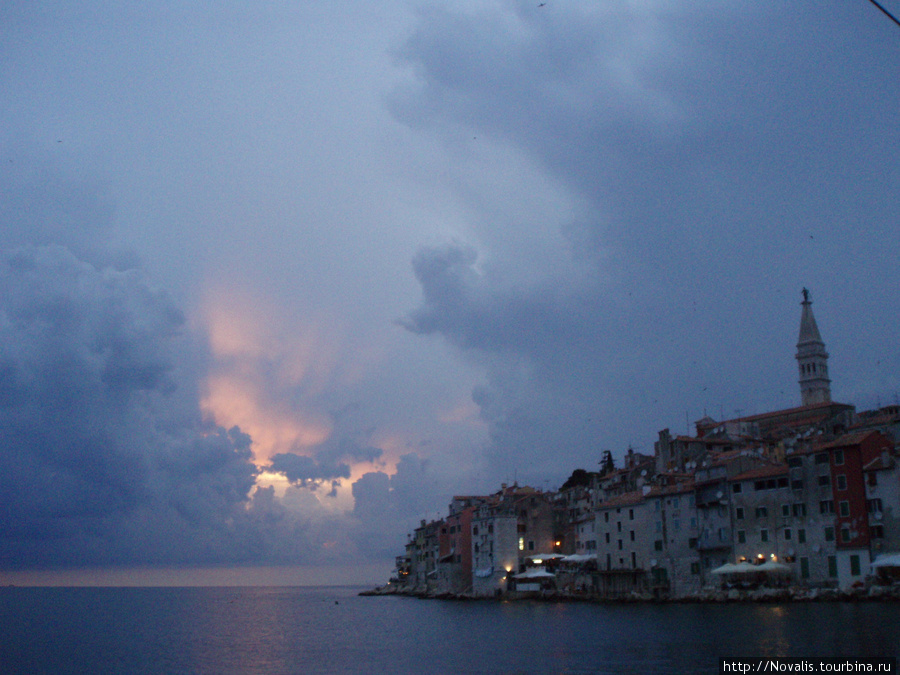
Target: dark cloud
{"type": "Point", "coordinates": [387, 506]}
{"type": "Point", "coordinates": [89, 443]}
{"type": "Point", "coordinates": [306, 470]}
{"type": "Point", "coordinates": [719, 159]}
{"type": "Point", "coordinates": [329, 462]}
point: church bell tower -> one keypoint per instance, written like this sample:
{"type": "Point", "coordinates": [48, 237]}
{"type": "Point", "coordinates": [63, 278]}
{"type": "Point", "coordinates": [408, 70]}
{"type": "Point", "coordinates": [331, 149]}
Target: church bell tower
{"type": "Point", "coordinates": [812, 359]}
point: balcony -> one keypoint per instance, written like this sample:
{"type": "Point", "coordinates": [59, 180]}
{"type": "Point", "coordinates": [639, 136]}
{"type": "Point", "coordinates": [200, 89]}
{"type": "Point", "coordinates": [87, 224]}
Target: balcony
{"type": "Point", "coordinates": [715, 541]}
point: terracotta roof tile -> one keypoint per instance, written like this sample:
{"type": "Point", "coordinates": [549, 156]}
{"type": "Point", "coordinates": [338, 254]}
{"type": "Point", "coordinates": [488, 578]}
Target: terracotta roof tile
{"type": "Point", "coordinates": [761, 472]}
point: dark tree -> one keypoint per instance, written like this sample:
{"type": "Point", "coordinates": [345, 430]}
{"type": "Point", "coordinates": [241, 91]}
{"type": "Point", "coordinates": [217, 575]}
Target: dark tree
{"type": "Point", "coordinates": [578, 477]}
{"type": "Point", "coordinates": [606, 463]}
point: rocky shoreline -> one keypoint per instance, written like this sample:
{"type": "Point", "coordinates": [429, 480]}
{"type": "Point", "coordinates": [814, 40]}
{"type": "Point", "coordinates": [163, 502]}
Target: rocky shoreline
{"type": "Point", "coordinates": [760, 595]}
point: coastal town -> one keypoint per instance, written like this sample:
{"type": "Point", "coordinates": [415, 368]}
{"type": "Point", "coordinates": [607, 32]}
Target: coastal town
{"type": "Point", "coordinates": [803, 501]}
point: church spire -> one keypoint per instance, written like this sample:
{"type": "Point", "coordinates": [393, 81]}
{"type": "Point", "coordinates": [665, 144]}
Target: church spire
{"type": "Point", "coordinates": [812, 359]}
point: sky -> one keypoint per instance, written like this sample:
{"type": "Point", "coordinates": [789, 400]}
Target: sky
{"type": "Point", "coordinates": [279, 280]}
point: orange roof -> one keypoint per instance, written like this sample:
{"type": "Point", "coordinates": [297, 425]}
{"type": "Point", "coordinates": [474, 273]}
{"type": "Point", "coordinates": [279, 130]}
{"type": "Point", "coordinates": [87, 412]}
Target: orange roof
{"type": "Point", "coordinates": [678, 488]}
{"type": "Point", "coordinates": [848, 440]}
{"type": "Point", "coordinates": [761, 472]}
{"type": "Point", "coordinates": [627, 499]}
{"type": "Point", "coordinates": [789, 411]}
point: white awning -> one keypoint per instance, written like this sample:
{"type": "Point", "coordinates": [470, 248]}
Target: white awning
{"type": "Point", "coordinates": [887, 560]}
{"type": "Point", "coordinates": [535, 573]}
{"type": "Point", "coordinates": [545, 556]}
{"type": "Point", "coordinates": [739, 568]}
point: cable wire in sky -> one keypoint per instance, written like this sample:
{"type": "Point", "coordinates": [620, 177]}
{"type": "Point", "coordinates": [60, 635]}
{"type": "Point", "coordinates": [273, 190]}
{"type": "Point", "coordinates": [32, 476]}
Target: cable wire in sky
{"type": "Point", "coordinates": [887, 13]}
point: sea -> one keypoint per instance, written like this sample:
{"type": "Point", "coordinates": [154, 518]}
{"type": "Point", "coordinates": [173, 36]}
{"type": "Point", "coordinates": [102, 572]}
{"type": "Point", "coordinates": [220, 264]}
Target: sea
{"type": "Point", "coordinates": [335, 630]}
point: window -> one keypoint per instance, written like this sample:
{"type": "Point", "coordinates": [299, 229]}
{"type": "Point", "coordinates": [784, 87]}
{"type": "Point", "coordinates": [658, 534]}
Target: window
{"type": "Point", "coordinates": [796, 485]}
{"type": "Point", "coordinates": [804, 568]}
{"type": "Point", "coordinates": [826, 506]}
{"type": "Point", "coordinates": [695, 568]}
{"type": "Point", "coordinates": [832, 566]}
{"type": "Point", "coordinates": [739, 513]}
{"type": "Point", "coordinates": [633, 560]}
{"type": "Point", "coordinates": [795, 462]}
{"type": "Point", "coordinates": [761, 512]}
{"type": "Point", "coordinates": [657, 545]}
{"type": "Point", "coordinates": [764, 535]}
{"type": "Point", "coordinates": [475, 530]}
{"type": "Point", "coordinates": [453, 529]}
{"type": "Point", "coordinates": [844, 508]}
{"type": "Point", "coordinates": [799, 510]}
{"type": "Point", "coordinates": [786, 510]}
{"type": "Point", "coordinates": [874, 505]}
{"type": "Point", "coordinates": [824, 481]}
{"type": "Point", "coordinates": [787, 534]}
{"type": "Point", "coordinates": [530, 545]}
{"type": "Point", "coordinates": [607, 537]}
{"type": "Point", "coordinates": [782, 482]}
{"type": "Point", "coordinates": [841, 481]}
{"type": "Point", "coordinates": [742, 537]}
{"type": "Point", "coordinates": [676, 524]}
{"type": "Point", "coordinates": [606, 517]}
{"type": "Point", "coordinates": [632, 535]}
{"type": "Point", "coordinates": [619, 527]}
{"type": "Point", "coordinates": [620, 544]}
{"type": "Point", "coordinates": [821, 458]}
{"type": "Point", "coordinates": [692, 542]}
{"type": "Point", "coordinates": [838, 457]}
{"type": "Point", "coordinates": [630, 514]}
{"type": "Point", "coordinates": [854, 565]}
{"type": "Point", "coordinates": [845, 534]}
{"type": "Point", "coordinates": [873, 479]}
{"type": "Point", "coordinates": [877, 531]}
{"type": "Point", "coordinates": [736, 488]}
{"type": "Point", "coordinates": [829, 534]}
{"type": "Point", "coordinates": [801, 536]}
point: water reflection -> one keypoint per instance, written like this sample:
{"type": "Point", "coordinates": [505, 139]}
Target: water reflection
{"type": "Point", "coordinates": [771, 631]}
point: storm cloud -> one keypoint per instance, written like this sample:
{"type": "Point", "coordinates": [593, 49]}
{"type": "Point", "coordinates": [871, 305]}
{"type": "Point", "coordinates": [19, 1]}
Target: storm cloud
{"type": "Point", "coordinates": [277, 281]}
{"type": "Point", "coordinates": [710, 178]}
{"type": "Point", "coordinates": [89, 442]}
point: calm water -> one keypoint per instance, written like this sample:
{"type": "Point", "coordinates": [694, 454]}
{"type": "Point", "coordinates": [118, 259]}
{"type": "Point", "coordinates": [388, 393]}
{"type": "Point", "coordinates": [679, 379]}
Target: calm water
{"type": "Point", "coordinates": [331, 630]}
